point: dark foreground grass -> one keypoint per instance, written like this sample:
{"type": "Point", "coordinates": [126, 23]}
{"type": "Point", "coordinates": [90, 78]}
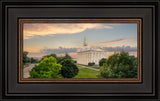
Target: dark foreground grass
{"type": "Point", "coordinates": [86, 73]}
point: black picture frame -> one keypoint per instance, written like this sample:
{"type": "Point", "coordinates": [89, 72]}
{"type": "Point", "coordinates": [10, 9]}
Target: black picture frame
{"type": "Point", "coordinates": [12, 10]}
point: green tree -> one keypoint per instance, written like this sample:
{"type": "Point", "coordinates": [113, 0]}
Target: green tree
{"type": "Point", "coordinates": [69, 68]}
{"type": "Point", "coordinates": [119, 65]}
{"type": "Point", "coordinates": [66, 57]}
{"type": "Point", "coordinates": [53, 55]}
{"type": "Point", "coordinates": [25, 58]}
{"type": "Point", "coordinates": [34, 60]}
{"type": "Point", "coordinates": [102, 61]}
{"type": "Point", "coordinates": [47, 68]}
{"type": "Point", "coordinates": [59, 59]}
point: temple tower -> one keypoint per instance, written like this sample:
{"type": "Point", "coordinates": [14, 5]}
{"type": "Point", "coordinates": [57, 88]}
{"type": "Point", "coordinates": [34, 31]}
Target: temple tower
{"type": "Point", "coordinates": [85, 42]}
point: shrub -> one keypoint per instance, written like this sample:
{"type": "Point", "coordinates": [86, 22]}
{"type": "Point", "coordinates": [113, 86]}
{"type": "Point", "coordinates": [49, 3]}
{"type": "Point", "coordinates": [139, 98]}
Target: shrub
{"type": "Point", "coordinates": [91, 63]}
{"type": "Point", "coordinates": [69, 68]}
{"type": "Point", "coordinates": [47, 68]}
{"type": "Point", "coordinates": [102, 61]}
{"type": "Point", "coordinates": [119, 65]}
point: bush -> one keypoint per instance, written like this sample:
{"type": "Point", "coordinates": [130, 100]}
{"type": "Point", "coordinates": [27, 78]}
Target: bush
{"type": "Point", "coordinates": [119, 65]}
{"type": "Point", "coordinates": [91, 63]}
{"type": "Point", "coordinates": [69, 68]}
{"type": "Point", "coordinates": [102, 61]}
{"type": "Point", "coordinates": [47, 68]}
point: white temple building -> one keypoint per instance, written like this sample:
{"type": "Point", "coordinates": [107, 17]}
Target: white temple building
{"type": "Point", "coordinates": [87, 54]}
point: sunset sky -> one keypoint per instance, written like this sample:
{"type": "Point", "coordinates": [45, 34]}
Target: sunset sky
{"type": "Point", "coordinates": [40, 36]}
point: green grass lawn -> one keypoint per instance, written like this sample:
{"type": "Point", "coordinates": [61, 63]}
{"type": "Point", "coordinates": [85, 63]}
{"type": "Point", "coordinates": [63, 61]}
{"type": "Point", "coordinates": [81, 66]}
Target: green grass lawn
{"type": "Point", "coordinates": [86, 73]}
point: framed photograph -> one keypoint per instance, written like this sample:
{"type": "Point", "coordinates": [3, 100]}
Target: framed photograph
{"type": "Point", "coordinates": [79, 50]}
{"type": "Point", "coordinates": [107, 57]}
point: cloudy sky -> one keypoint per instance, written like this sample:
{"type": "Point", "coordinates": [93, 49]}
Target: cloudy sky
{"type": "Point", "coordinates": [40, 36]}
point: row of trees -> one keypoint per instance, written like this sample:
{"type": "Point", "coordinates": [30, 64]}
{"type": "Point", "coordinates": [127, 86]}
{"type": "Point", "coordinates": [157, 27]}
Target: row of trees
{"type": "Point", "coordinates": [51, 66]}
{"type": "Point", "coordinates": [26, 59]}
{"type": "Point", "coordinates": [119, 65]}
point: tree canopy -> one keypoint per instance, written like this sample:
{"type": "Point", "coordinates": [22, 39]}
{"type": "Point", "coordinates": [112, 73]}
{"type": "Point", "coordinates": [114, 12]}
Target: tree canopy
{"type": "Point", "coordinates": [47, 68]}
{"type": "Point", "coordinates": [53, 55]}
{"type": "Point", "coordinates": [34, 60]}
{"type": "Point", "coordinates": [69, 68]}
{"type": "Point", "coordinates": [25, 58]}
{"type": "Point", "coordinates": [59, 59]}
{"type": "Point", "coordinates": [119, 65]}
{"type": "Point", "coordinates": [102, 61]}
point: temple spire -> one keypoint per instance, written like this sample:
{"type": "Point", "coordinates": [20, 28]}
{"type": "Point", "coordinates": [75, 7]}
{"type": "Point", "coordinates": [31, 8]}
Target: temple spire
{"type": "Point", "coordinates": [85, 42]}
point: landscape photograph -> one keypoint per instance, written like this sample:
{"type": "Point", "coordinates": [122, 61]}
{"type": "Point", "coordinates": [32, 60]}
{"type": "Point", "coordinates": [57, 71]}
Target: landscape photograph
{"type": "Point", "coordinates": [80, 50]}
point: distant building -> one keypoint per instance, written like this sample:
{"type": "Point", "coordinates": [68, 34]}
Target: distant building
{"type": "Point", "coordinates": [87, 54]}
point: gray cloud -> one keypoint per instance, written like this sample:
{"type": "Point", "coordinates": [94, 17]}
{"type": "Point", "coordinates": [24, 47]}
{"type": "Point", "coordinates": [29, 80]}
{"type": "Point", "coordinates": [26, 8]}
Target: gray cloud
{"type": "Point", "coordinates": [62, 50]}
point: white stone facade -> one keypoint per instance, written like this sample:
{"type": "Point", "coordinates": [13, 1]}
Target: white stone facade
{"type": "Point", "coordinates": [87, 54]}
{"type": "Point", "coordinates": [84, 57]}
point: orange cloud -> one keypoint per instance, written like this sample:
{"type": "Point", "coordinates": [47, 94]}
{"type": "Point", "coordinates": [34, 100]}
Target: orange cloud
{"type": "Point", "coordinates": [31, 50]}
{"type": "Point", "coordinates": [43, 29]}
{"type": "Point", "coordinates": [114, 41]}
